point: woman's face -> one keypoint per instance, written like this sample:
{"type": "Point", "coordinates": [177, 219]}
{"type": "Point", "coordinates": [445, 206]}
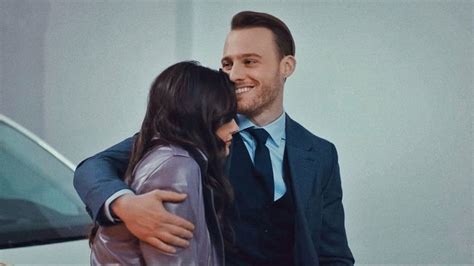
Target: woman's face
{"type": "Point", "coordinates": [225, 133]}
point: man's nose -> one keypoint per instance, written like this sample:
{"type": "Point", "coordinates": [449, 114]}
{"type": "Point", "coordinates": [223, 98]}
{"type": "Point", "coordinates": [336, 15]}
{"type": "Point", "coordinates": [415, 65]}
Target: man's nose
{"type": "Point", "coordinates": [236, 73]}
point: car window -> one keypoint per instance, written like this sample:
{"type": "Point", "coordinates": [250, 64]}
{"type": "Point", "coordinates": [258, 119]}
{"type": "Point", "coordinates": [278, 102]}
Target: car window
{"type": "Point", "coordinates": [38, 203]}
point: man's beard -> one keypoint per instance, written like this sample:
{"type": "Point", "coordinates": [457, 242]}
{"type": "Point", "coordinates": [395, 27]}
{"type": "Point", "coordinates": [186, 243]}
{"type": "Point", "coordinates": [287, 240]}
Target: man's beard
{"type": "Point", "coordinates": [263, 100]}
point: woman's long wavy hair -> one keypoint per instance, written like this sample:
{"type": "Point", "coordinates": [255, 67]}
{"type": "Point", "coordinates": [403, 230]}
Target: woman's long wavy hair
{"type": "Point", "coordinates": [187, 103]}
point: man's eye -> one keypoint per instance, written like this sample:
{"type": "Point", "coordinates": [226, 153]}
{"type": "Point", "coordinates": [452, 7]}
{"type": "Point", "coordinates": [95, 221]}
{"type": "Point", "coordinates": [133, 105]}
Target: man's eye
{"type": "Point", "coordinates": [226, 65]}
{"type": "Point", "coordinates": [249, 61]}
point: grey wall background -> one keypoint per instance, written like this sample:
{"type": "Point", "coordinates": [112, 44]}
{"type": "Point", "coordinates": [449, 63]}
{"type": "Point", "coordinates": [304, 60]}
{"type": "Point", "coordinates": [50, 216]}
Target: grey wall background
{"type": "Point", "coordinates": [389, 82]}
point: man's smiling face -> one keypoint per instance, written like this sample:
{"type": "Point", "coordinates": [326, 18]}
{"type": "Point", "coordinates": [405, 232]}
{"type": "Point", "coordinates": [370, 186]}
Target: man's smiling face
{"type": "Point", "coordinates": [252, 61]}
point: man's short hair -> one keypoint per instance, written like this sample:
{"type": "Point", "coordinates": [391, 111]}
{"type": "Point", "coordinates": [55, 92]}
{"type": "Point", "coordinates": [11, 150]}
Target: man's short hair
{"type": "Point", "coordinates": [250, 19]}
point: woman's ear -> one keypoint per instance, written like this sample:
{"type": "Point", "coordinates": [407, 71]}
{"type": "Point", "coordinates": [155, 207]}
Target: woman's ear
{"type": "Point", "coordinates": [287, 66]}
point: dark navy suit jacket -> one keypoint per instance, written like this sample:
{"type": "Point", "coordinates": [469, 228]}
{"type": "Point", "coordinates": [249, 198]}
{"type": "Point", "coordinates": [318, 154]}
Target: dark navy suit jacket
{"type": "Point", "coordinates": [320, 237]}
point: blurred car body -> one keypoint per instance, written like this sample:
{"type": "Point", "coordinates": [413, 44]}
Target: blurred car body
{"type": "Point", "coordinates": [42, 220]}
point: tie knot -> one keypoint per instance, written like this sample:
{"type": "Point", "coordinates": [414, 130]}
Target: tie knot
{"type": "Point", "coordinates": [259, 134]}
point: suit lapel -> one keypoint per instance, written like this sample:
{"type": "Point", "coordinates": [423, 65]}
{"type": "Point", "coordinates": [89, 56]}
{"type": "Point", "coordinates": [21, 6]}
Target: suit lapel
{"type": "Point", "coordinates": [301, 160]}
{"type": "Point", "coordinates": [303, 164]}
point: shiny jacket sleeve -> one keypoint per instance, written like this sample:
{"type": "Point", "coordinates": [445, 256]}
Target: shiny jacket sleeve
{"type": "Point", "coordinates": [100, 176]}
{"type": "Point", "coordinates": [179, 174]}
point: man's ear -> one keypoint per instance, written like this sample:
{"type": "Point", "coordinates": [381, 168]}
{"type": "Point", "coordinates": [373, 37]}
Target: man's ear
{"type": "Point", "coordinates": [287, 66]}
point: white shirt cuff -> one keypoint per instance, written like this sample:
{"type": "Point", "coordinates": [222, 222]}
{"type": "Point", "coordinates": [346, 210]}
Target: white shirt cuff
{"type": "Point", "coordinates": [108, 212]}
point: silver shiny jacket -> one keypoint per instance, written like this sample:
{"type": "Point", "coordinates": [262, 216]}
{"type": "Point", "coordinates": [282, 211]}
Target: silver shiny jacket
{"type": "Point", "coordinates": [169, 168]}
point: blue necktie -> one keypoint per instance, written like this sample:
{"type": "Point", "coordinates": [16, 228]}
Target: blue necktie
{"type": "Point", "coordinates": [262, 161]}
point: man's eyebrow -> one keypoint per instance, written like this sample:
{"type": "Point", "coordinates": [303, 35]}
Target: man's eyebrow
{"type": "Point", "coordinates": [228, 58]}
{"type": "Point", "coordinates": [250, 55]}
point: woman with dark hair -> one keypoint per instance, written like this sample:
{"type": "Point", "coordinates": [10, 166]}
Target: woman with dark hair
{"type": "Point", "coordinates": [182, 145]}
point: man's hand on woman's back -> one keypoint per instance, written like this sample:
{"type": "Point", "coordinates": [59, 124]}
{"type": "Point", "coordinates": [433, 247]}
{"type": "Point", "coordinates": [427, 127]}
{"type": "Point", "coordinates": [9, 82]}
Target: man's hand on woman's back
{"type": "Point", "coordinates": [146, 218]}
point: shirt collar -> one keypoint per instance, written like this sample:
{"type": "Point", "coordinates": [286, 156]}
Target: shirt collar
{"type": "Point", "coordinates": [275, 129]}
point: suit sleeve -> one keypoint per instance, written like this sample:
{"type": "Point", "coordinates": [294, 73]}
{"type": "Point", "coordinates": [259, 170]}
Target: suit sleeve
{"type": "Point", "coordinates": [179, 174]}
{"type": "Point", "coordinates": [334, 249]}
{"type": "Point", "coordinates": [100, 176]}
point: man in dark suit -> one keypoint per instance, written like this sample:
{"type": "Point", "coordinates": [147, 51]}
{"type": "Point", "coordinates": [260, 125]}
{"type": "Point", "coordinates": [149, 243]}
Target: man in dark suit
{"type": "Point", "coordinates": [288, 197]}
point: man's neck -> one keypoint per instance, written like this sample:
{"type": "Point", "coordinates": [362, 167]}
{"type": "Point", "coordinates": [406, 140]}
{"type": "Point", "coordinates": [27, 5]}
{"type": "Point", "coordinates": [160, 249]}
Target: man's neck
{"type": "Point", "coordinates": [266, 118]}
